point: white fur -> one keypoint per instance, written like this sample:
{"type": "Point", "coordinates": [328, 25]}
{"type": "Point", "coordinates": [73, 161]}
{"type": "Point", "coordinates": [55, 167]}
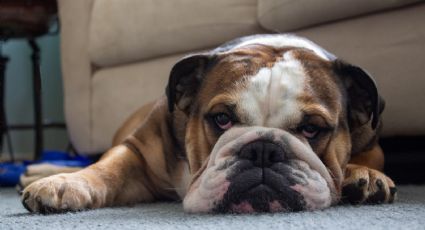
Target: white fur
{"type": "Point", "coordinates": [283, 40]}
{"type": "Point", "coordinates": [270, 99]}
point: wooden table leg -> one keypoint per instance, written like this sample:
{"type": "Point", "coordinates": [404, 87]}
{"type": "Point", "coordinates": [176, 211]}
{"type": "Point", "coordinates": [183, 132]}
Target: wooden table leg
{"type": "Point", "coordinates": [3, 124]}
{"type": "Point", "coordinates": [4, 130]}
{"type": "Point", "coordinates": [38, 109]}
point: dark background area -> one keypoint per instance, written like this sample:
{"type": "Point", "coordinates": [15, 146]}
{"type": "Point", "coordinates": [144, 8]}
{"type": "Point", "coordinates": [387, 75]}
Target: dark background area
{"type": "Point", "coordinates": [405, 159]}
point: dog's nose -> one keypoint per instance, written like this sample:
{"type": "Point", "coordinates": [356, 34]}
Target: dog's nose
{"type": "Point", "coordinates": [262, 153]}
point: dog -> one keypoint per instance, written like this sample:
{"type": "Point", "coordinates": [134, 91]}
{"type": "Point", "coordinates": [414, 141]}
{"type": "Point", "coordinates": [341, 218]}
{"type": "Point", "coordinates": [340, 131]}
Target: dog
{"type": "Point", "coordinates": [263, 123]}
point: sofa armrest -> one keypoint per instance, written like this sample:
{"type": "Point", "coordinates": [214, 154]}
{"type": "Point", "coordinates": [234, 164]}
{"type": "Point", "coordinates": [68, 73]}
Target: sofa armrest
{"type": "Point", "coordinates": [76, 70]}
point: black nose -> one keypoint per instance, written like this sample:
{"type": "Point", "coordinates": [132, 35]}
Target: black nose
{"type": "Point", "coordinates": [262, 153]}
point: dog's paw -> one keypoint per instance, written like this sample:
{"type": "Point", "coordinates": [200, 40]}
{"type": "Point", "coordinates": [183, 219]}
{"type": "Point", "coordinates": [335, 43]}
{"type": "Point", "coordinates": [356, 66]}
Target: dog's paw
{"type": "Point", "coordinates": [59, 193]}
{"type": "Point", "coordinates": [364, 185]}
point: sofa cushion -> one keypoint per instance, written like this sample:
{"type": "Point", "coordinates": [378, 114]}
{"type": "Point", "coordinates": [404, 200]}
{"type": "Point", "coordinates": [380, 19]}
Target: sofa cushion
{"type": "Point", "coordinates": [119, 91]}
{"type": "Point", "coordinates": [285, 15]}
{"type": "Point", "coordinates": [128, 30]}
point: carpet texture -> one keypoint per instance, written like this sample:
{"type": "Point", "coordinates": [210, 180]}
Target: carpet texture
{"type": "Point", "coordinates": [407, 213]}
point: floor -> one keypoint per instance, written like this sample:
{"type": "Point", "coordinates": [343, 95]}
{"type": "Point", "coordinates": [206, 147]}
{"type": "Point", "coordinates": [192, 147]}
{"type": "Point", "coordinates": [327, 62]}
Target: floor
{"type": "Point", "coordinates": [407, 213]}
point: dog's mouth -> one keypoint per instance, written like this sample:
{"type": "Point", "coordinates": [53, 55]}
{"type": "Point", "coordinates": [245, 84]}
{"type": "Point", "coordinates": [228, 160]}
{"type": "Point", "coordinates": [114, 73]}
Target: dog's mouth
{"type": "Point", "coordinates": [278, 187]}
{"type": "Point", "coordinates": [259, 169]}
{"type": "Point", "coordinates": [260, 190]}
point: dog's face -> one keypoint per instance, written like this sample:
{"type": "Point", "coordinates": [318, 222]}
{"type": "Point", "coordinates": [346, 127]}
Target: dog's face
{"type": "Point", "coordinates": [270, 128]}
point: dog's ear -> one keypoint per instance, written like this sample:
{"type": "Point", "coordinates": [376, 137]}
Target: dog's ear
{"type": "Point", "coordinates": [185, 79]}
{"type": "Point", "coordinates": [364, 104]}
{"type": "Point", "coordinates": [363, 100]}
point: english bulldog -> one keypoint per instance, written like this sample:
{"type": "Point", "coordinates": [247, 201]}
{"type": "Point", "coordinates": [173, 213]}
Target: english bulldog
{"type": "Point", "coordinates": [263, 123]}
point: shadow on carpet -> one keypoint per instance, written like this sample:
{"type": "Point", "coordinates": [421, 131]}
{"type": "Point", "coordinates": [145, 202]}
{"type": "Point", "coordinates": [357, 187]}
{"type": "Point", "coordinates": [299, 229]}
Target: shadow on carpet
{"type": "Point", "coordinates": [408, 212]}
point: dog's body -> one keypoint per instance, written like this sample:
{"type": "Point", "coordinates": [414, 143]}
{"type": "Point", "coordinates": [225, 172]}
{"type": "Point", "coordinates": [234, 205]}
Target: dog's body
{"type": "Point", "coordinates": [262, 123]}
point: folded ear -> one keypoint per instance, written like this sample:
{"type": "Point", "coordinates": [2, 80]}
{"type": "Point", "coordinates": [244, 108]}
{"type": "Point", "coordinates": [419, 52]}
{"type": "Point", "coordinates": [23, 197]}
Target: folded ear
{"type": "Point", "coordinates": [185, 79]}
{"type": "Point", "coordinates": [364, 102]}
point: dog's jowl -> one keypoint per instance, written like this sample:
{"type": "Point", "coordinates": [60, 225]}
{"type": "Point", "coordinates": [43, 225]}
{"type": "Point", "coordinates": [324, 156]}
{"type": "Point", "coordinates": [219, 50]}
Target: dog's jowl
{"type": "Point", "coordinates": [264, 123]}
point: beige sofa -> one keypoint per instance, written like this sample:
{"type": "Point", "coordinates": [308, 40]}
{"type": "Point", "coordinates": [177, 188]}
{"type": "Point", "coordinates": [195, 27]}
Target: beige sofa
{"type": "Point", "coordinates": [116, 55]}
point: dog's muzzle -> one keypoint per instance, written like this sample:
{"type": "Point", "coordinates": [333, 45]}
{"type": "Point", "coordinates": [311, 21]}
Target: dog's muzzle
{"type": "Point", "coordinates": [258, 169]}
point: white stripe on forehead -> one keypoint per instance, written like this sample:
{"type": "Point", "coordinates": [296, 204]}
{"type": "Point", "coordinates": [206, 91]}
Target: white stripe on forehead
{"type": "Point", "coordinates": [270, 99]}
{"type": "Point", "coordinates": [282, 40]}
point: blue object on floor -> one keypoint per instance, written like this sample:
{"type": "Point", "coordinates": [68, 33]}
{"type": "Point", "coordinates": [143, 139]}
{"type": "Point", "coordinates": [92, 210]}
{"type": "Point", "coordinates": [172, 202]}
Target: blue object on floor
{"type": "Point", "coordinates": [10, 172]}
{"type": "Point", "coordinates": [61, 159]}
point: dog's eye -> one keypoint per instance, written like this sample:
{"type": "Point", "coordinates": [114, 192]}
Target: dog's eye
{"type": "Point", "coordinates": [310, 131]}
{"type": "Point", "coordinates": [223, 121]}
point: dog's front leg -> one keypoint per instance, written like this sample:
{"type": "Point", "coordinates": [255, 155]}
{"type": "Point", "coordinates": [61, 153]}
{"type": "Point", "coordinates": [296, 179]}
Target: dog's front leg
{"type": "Point", "coordinates": [118, 178]}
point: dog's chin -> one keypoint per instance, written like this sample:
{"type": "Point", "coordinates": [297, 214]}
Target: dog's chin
{"type": "Point", "coordinates": [284, 187]}
{"type": "Point", "coordinates": [259, 190]}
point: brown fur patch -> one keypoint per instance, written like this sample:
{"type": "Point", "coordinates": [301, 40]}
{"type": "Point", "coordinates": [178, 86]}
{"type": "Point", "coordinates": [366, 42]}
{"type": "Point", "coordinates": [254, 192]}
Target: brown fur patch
{"type": "Point", "coordinates": [373, 158]}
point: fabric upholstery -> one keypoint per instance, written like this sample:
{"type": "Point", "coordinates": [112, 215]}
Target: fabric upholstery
{"type": "Point", "coordinates": [284, 15]}
{"type": "Point", "coordinates": [76, 70]}
{"type": "Point", "coordinates": [118, 91]}
{"type": "Point", "coordinates": [131, 30]}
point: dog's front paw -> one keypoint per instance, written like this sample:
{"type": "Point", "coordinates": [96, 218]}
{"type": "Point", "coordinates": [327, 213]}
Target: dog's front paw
{"type": "Point", "coordinates": [59, 193]}
{"type": "Point", "coordinates": [365, 185]}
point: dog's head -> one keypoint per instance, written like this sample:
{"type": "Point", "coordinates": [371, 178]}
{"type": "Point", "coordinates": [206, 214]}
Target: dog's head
{"type": "Point", "coordinates": [272, 121]}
